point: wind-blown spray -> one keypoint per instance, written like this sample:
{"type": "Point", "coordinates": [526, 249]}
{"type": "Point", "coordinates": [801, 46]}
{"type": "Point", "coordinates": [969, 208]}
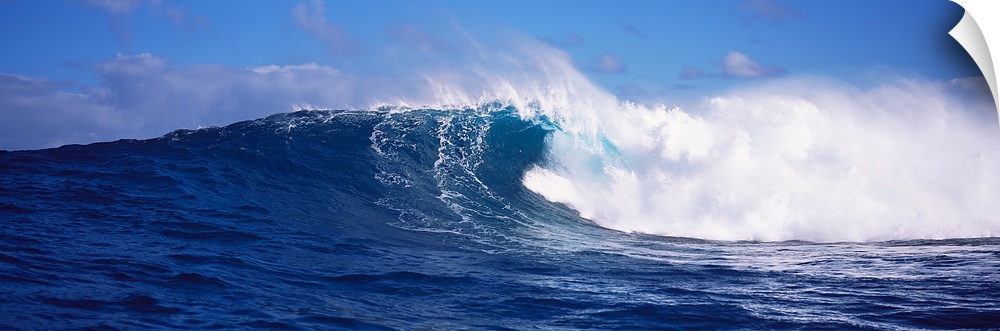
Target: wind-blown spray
{"type": "Point", "coordinates": [800, 159]}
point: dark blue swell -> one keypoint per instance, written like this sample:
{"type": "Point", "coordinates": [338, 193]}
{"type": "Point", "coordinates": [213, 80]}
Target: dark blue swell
{"type": "Point", "coordinates": [413, 220]}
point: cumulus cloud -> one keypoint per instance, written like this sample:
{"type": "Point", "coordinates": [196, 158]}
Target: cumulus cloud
{"type": "Point", "coordinates": [609, 63]}
{"type": "Point", "coordinates": [739, 65]}
{"type": "Point", "coordinates": [767, 9]}
{"type": "Point", "coordinates": [690, 73]}
{"type": "Point", "coordinates": [631, 29]}
{"type": "Point", "coordinates": [311, 18]}
{"type": "Point", "coordinates": [415, 37]}
{"type": "Point", "coordinates": [143, 96]}
{"type": "Point", "coordinates": [37, 112]}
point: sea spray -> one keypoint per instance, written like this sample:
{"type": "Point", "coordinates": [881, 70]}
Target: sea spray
{"type": "Point", "coordinates": [800, 159]}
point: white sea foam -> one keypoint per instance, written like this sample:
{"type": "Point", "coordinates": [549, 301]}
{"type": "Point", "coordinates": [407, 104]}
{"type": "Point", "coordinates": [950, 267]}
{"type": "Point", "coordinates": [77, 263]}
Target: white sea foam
{"type": "Point", "coordinates": [801, 159]}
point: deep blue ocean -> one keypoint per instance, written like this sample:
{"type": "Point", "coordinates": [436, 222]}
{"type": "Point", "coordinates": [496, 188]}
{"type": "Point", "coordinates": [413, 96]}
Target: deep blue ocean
{"type": "Point", "coordinates": [415, 220]}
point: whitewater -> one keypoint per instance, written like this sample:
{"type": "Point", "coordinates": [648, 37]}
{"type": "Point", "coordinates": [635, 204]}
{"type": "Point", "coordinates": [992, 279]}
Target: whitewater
{"type": "Point", "coordinates": [796, 160]}
{"type": "Point", "coordinates": [524, 198]}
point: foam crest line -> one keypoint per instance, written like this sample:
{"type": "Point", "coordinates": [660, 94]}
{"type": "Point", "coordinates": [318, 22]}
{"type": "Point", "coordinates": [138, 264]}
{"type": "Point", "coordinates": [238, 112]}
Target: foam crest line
{"type": "Point", "coordinates": [802, 159]}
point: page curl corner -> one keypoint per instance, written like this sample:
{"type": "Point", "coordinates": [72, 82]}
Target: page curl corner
{"type": "Point", "coordinates": [971, 36]}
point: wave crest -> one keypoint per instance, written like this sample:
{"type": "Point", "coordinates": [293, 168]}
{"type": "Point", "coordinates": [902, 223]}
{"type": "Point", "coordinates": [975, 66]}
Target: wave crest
{"type": "Point", "coordinates": [800, 159]}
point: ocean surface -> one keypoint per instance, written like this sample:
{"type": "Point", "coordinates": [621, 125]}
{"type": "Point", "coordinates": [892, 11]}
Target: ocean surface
{"type": "Point", "coordinates": [424, 219]}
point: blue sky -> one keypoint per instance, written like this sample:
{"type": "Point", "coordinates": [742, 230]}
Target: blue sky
{"type": "Point", "coordinates": [91, 70]}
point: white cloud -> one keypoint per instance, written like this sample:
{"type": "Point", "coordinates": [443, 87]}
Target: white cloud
{"type": "Point", "coordinates": [143, 96]}
{"type": "Point", "coordinates": [739, 65]}
{"type": "Point", "coordinates": [36, 113]}
{"type": "Point", "coordinates": [311, 18]}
